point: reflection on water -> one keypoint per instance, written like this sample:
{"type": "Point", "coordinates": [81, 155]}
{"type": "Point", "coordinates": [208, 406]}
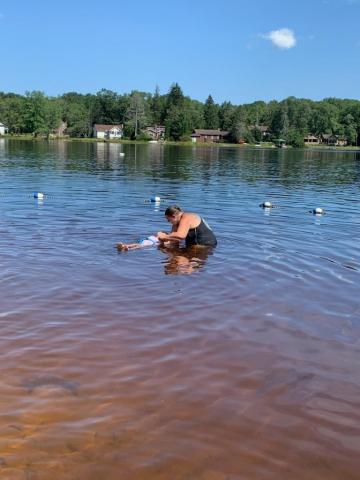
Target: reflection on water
{"type": "Point", "coordinates": [185, 260]}
{"type": "Point", "coordinates": [290, 167]}
{"type": "Point", "coordinates": [237, 363]}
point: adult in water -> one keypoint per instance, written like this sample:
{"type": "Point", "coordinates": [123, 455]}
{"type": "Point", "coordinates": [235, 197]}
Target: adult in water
{"type": "Point", "coordinates": [189, 227]}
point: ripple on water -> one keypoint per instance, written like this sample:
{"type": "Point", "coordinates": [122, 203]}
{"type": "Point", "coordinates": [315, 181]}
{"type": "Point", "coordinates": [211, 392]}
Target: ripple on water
{"type": "Point", "coordinates": [239, 363]}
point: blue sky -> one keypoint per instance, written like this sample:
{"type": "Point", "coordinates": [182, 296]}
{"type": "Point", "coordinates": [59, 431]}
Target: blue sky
{"type": "Point", "coordinates": [238, 51]}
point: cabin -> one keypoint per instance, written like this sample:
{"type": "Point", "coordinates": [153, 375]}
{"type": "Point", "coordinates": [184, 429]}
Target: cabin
{"type": "Point", "coordinates": [208, 136]}
{"type": "Point", "coordinates": [333, 140]}
{"type": "Point", "coordinates": [107, 132]}
{"type": "Point", "coordinates": [3, 129]}
{"type": "Point", "coordinates": [329, 139]}
{"type": "Point", "coordinates": [264, 130]}
{"type": "Point", "coordinates": [156, 132]}
{"type": "Point", "coordinates": [312, 140]}
{"type": "Point", "coordinates": [342, 142]}
{"type": "Point", "coordinates": [59, 131]}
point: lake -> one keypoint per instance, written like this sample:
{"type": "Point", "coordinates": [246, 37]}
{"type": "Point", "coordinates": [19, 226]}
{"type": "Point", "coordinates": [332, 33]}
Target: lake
{"type": "Point", "coordinates": [238, 363]}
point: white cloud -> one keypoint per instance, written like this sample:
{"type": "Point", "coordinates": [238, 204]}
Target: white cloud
{"type": "Point", "coordinates": [283, 38]}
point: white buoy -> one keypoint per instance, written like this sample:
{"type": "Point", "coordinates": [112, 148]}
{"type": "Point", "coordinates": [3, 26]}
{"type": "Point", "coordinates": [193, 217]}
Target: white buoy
{"type": "Point", "coordinates": [266, 205]}
{"type": "Point", "coordinates": [155, 199]}
{"type": "Point", "coordinates": [39, 195]}
{"type": "Point", "coordinates": [318, 211]}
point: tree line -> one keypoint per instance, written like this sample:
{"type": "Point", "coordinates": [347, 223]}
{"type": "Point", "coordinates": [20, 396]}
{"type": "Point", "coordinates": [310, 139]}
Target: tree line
{"type": "Point", "coordinates": [290, 119]}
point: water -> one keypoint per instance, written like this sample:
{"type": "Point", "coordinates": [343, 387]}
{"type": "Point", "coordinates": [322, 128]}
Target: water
{"type": "Point", "coordinates": [241, 363]}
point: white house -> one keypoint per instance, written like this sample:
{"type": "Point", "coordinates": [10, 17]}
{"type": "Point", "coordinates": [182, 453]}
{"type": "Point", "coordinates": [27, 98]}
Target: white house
{"type": "Point", "coordinates": [107, 131]}
{"type": "Point", "coordinates": [3, 129]}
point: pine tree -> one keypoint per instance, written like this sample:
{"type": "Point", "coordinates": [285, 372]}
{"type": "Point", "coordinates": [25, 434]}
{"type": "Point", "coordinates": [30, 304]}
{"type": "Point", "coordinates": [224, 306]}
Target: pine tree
{"type": "Point", "coordinates": [157, 107]}
{"type": "Point", "coordinates": [211, 114]}
{"type": "Point", "coordinates": [175, 97]}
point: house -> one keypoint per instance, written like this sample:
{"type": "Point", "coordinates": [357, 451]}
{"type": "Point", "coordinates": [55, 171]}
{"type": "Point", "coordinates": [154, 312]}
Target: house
{"type": "Point", "coordinates": [107, 131]}
{"type": "Point", "coordinates": [156, 132]}
{"type": "Point", "coordinates": [329, 139]}
{"type": "Point", "coordinates": [342, 142]}
{"type": "Point", "coordinates": [60, 131]}
{"type": "Point", "coordinates": [312, 140]}
{"type": "Point", "coordinates": [333, 140]}
{"type": "Point", "coordinates": [264, 129]}
{"type": "Point", "coordinates": [3, 129]}
{"type": "Point", "coordinates": [204, 135]}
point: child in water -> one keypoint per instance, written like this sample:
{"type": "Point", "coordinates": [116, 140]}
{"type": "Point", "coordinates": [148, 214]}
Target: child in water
{"type": "Point", "coordinates": [145, 242]}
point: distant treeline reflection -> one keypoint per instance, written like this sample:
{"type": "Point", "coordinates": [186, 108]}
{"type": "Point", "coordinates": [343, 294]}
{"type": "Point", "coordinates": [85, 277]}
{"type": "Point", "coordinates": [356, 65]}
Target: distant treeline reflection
{"type": "Point", "coordinates": [231, 165]}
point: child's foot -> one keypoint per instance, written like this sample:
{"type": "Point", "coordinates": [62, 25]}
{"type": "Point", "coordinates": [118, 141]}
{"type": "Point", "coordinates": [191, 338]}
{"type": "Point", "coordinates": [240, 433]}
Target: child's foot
{"type": "Point", "coordinates": [122, 247]}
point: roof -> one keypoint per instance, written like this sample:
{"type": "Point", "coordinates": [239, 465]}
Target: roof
{"type": "Point", "coordinates": [262, 128]}
{"type": "Point", "coordinates": [202, 131]}
{"type": "Point", "coordinates": [328, 135]}
{"type": "Point", "coordinates": [155, 128]}
{"type": "Point", "coordinates": [105, 128]}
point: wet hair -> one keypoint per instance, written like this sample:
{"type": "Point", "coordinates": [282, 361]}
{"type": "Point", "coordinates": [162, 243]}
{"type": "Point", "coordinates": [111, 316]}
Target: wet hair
{"type": "Point", "coordinates": [173, 210]}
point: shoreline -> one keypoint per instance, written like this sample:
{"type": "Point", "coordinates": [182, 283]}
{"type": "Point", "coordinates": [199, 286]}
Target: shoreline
{"type": "Point", "coordinates": [265, 145]}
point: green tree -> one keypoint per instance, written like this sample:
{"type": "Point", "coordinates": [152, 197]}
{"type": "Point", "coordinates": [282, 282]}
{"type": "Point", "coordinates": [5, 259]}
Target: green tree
{"type": "Point", "coordinates": [255, 113]}
{"type": "Point", "coordinates": [157, 107]}
{"type": "Point", "coordinates": [284, 122]}
{"type": "Point", "coordinates": [175, 124]}
{"type": "Point", "coordinates": [77, 119]}
{"type": "Point", "coordinates": [238, 130]}
{"type": "Point", "coordinates": [295, 138]}
{"type": "Point", "coordinates": [41, 115]}
{"type": "Point", "coordinates": [193, 115]}
{"type": "Point", "coordinates": [135, 115]}
{"type": "Point", "coordinates": [325, 118]}
{"type": "Point", "coordinates": [257, 134]}
{"type": "Point", "coordinates": [108, 107]}
{"type": "Point", "coordinates": [226, 114]}
{"type": "Point", "coordinates": [80, 112]}
{"type": "Point", "coordinates": [12, 113]}
{"type": "Point", "coordinates": [211, 114]}
{"type": "Point", "coordinates": [350, 129]}
{"type": "Point", "coordinates": [280, 121]}
{"type": "Point", "coordinates": [175, 97]}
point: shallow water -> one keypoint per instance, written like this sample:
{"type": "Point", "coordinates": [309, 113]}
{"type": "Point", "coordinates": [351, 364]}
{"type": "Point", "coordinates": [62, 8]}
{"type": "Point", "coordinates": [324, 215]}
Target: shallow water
{"type": "Point", "coordinates": [240, 363]}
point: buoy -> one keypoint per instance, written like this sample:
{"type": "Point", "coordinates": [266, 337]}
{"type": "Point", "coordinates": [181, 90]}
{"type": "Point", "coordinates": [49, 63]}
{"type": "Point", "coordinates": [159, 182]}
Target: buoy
{"type": "Point", "coordinates": [318, 211]}
{"type": "Point", "coordinates": [39, 195]}
{"type": "Point", "coordinates": [266, 205]}
{"type": "Point", "coordinates": [155, 199]}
